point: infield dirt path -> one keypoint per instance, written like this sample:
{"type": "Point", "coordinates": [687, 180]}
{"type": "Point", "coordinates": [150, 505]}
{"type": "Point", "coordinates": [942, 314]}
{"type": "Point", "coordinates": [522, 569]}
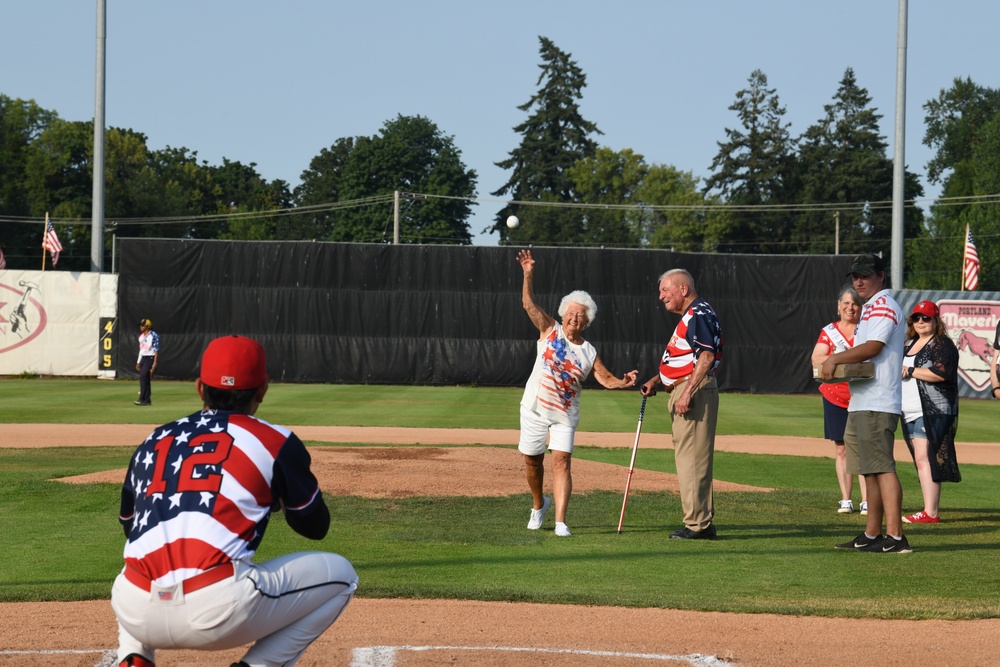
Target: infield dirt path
{"type": "Point", "coordinates": [419, 633]}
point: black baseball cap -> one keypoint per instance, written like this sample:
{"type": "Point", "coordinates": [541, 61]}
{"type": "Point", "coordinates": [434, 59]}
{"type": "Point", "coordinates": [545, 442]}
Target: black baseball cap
{"type": "Point", "coordinates": [145, 323]}
{"type": "Point", "coordinates": [866, 265]}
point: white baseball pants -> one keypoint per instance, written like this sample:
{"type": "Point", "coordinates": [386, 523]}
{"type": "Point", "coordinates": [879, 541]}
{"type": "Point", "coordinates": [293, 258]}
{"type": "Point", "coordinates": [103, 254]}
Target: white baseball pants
{"type": "Point", "coordinates": [283, 605]}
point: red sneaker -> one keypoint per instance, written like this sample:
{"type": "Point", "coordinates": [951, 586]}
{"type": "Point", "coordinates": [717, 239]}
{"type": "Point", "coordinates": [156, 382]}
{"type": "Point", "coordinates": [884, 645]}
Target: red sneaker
{"type": "Point", "coordinates": [136, 660]}
{"type": "Point", "coordinates": [921, 517]}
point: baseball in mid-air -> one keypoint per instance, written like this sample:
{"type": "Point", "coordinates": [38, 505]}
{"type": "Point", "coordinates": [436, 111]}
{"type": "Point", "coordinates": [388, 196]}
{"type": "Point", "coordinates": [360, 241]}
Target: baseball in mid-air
{"type": "Point", "coordinates": [512, 221]}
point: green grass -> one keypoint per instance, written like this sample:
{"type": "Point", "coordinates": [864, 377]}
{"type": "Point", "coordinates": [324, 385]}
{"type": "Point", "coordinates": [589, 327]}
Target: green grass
{"type": "Point", "coordinates": [72, 401]}
{"type": "Point", "coordinates": [775, 553]}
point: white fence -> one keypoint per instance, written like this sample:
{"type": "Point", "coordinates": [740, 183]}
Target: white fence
{"type": "Point", "coordinates": [57, 323]}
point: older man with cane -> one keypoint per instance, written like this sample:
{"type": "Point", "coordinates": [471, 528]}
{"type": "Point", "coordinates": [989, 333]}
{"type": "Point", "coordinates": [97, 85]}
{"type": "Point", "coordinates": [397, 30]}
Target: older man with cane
{"type": "Point", "coordinates": [687, 372]}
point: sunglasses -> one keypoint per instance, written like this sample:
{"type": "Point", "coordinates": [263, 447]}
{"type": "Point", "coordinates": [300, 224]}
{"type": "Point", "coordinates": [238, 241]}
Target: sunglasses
{"type": "Point", "coordinates": [921, 318]}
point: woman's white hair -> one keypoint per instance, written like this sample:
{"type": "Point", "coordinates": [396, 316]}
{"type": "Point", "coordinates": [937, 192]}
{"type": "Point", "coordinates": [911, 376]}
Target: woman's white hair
{"type": "Point", "coordinates": [582, 298]}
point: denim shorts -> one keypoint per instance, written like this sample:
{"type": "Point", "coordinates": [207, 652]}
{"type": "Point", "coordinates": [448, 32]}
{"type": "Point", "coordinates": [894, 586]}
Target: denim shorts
{"type": "Point", "coordinates": [916, 429]}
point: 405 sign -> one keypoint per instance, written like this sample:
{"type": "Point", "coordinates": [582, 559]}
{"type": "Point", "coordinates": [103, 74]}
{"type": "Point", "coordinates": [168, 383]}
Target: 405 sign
{"type": "Point", "coordinates": [107, 353]}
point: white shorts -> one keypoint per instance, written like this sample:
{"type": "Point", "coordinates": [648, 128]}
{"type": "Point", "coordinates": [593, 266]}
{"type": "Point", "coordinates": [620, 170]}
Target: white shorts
{"type": "Point", "coordinates": [534, 429]}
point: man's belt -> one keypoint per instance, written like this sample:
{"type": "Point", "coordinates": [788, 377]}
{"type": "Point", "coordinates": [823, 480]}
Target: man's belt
{"type": "Point", "coordinates": [682, 380]}
{"type": "Point", "coordinates": [688, 377]}
{"type": "Point", "coordinates": [191, 584]}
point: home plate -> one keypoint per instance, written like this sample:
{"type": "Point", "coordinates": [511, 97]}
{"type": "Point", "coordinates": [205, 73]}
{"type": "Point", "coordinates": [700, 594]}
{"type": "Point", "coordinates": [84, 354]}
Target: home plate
{"type": "Point", "coordinates": [490, 656]}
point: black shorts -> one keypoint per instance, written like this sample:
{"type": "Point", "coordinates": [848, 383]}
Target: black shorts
{"type": "Point", "coordinates": [834, 421]}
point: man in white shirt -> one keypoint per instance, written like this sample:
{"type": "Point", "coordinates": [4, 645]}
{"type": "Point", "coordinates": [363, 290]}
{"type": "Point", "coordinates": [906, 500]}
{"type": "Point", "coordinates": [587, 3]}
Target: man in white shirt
{"type": "Point", "coordinates": [875, 407]}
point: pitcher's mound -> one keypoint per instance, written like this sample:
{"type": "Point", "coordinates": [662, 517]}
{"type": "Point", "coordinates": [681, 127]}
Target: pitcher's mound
{"type": "Point", "coordinates": [399, 472]}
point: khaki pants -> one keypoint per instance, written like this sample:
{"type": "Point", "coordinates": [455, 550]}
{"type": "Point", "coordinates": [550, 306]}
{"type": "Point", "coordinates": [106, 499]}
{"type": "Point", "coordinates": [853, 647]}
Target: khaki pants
{"type": "Point", "coordinates": [694, 449]}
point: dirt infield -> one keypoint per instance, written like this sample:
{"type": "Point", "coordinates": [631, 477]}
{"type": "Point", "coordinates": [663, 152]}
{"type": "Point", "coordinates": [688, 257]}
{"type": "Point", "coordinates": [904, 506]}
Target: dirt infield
{"type": "Point", "coordinates": [96, 435]}
{"type": "Point", "coordinates": [419, 633]}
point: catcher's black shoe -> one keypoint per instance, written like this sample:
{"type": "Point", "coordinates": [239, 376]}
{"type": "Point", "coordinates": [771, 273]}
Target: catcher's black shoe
{"type": "Point", "coordinates": [136, 660]}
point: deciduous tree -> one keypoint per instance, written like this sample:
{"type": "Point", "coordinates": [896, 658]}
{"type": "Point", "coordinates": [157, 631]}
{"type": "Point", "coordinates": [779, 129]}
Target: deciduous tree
{"type": "Point", "coordinates": [640, 202]}
{"type": "Point", "coordinates": [21, 123]}
{"type": "Point", "coordinates": [410, 155]}
{"type": "Point", "coordinates": [961, 127]}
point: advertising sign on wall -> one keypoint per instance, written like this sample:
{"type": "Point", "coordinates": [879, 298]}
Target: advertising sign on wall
{"type": "Point", "coordinates": [972, 325]}
{"type": "Point", "coordinates": [49, 321]}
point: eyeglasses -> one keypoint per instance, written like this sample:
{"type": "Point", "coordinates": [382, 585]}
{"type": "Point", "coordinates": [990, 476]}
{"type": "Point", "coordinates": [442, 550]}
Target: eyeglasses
{"type": "Point", "coordinates": [921, 318]}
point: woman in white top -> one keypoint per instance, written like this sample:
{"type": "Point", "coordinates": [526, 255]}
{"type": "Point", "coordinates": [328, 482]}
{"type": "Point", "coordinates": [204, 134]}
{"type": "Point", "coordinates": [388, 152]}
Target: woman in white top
{"type": "Point", "coordinates": [550, 406]}
{"type": "Point", "coordinates": [930, 406]}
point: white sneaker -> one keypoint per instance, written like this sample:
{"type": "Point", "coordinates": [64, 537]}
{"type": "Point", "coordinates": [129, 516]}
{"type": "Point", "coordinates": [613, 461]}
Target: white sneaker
{"type": "Point", "coordinates": [846, 507]}
{"type": "Point", "coordinates": [537, 516]}
{"type": "Point", "coordinates": [562, 530]}
{"type": "Point", "coordinates": [864, 509]}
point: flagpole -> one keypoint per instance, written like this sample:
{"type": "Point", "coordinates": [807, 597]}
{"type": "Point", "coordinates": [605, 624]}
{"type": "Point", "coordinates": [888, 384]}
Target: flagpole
{"type": "Point", "coordinates": [45, 230]}
{"type": "Point", "coordinates": [965, 252]}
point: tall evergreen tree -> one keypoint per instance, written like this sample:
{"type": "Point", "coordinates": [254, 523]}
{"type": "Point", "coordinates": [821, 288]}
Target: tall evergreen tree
{"type": "Point", "coordinates": [843, 161]}
{"type": "Point", "coordinates": [554, 137]}
{"type": "Point", "coordinates": [756, 166]}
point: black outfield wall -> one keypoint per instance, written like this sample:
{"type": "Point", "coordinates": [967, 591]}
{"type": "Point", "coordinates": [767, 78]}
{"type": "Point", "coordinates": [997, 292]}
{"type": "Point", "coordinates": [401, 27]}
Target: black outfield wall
{"type": "Point", "coordinates": [415, 314]}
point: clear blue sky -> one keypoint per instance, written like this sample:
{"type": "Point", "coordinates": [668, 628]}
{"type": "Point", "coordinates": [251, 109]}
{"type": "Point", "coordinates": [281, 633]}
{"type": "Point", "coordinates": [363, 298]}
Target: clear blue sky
{"type": "Point", "coordinates": [276, 82]}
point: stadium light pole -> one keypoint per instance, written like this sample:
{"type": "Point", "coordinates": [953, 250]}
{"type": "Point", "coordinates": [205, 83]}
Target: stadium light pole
{"type": "Point", "coordinates": [97, 213]}
{"type": "Point", "coordinates": [899, 163]}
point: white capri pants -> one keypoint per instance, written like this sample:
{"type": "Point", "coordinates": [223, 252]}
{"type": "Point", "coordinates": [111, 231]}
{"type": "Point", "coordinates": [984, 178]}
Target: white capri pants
{"type": "Point", "coordinates": [534, 429]}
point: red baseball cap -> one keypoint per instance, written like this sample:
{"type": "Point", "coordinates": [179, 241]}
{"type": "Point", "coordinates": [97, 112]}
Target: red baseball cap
{"type": "Point", "coordinates": [928, 308]}
{"type": "Point", "coordinates": [234, 362]}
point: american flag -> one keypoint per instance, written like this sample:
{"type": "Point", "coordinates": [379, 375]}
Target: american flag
{"type": "Point", "coordinates": [971, 261]}
{"type": "Point", "coordinates": [50, 241]}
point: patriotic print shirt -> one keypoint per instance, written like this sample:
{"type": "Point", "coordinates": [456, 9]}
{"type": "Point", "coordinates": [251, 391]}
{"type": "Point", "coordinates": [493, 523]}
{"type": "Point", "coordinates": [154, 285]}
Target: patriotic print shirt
{"type": "Point", "coordinates": [553, 390]}
{"type": "Point", "coordinates": [199, 492]}
{"type": "Point", "coordinates": [881, 320]}
{"type": "Point", "coordinates": [698, 331]}
{"type": "Point", "coordinates": [149, 344]}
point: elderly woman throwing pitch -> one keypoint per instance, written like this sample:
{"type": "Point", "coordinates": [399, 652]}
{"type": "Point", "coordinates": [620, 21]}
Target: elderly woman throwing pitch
{"type": "Point", "coordinates": [550, 406]}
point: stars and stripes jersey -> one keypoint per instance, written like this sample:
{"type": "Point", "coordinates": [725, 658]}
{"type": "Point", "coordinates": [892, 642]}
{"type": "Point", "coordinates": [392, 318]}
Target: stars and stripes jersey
{"type": "Point", "coordinates": [553, 390]}
{"type": "Point", "coordinates": [698, 331]}
{"type": "Point", "coordinates": [838, 393]}
{"type": "Point", "coordinates": [882, 320]}
{"type": "Point", "coordinates": [199, 492]}
{"type": "Point", "coordinates": [149, 344]}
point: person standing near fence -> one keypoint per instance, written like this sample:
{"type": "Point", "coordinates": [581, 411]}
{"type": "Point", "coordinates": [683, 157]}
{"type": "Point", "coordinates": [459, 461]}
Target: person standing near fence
{"type": "Point", "coordinates": [149, 357]}
{"type": "Point", "coordinates": [930, 406]}
{"type": "Point", "coordinates": [837, 337]}
{"type": "Point", "coordinates": [687, 372]}
{"type": "Point", "coordinates": [875, 408]}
